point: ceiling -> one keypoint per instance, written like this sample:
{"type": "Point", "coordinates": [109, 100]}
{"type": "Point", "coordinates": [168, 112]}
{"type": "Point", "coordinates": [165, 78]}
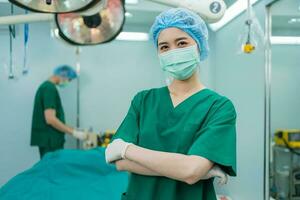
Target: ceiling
{"type": "Point", "coordinates": [142, 6]}
{"type": "Point", "coordinates": [142, 14]}
{"type": "Point", "coordinates": [229, 2]}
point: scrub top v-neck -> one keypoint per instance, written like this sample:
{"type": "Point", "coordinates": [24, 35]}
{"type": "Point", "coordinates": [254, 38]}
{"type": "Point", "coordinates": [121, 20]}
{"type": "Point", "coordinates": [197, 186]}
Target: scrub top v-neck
{"type": "Point", "coordinates": [202, 125]}
{"type": "Point", "coordinates": [174, 107]}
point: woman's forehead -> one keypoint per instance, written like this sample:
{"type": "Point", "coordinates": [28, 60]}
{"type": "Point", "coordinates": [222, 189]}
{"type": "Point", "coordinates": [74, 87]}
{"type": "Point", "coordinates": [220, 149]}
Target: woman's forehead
{"type": "Point", "coordinates": [171, 34]}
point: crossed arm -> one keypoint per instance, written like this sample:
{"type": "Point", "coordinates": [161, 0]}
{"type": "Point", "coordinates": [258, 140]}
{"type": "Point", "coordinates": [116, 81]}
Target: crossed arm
{"type": "Point", "coordinates": [185, 168]}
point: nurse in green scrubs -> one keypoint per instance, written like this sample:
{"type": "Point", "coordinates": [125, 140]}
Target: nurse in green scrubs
{"type": "Point", "coordinates": [48, 119]}
{"type": "Point", "coordinates": [175, 139]}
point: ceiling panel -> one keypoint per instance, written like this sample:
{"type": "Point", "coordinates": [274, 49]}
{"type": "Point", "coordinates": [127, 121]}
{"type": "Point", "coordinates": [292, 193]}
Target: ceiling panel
{"type": "Point", "coordinates": [142, 14]}
{"type": "Point", "coordinates": [229, 2]}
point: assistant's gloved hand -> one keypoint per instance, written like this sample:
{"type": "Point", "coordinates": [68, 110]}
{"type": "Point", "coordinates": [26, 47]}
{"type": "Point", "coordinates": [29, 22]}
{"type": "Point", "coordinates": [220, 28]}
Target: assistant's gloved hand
{"type": "Point", "coordinates": [78, 134]}
{"type": "Point", "coordinates": [216, 171]}
{"type": "Point", "coordinates": [116, 150]}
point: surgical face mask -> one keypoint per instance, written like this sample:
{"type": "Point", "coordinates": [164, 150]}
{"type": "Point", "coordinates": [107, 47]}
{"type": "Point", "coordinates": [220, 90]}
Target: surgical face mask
{"type": "Point", "coordinates": [180, 63]}
{"type": "Point", "coordinates": [63, 84]}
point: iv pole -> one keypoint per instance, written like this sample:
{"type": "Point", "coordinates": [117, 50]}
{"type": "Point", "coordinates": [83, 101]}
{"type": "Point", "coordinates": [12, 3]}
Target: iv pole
{"type": "Point", "coordinates": [78, 68]}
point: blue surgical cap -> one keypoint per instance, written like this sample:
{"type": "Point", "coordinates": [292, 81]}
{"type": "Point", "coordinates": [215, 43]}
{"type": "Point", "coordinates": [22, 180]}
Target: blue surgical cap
{"type": "Point", "coordinates": [65, 71]}
{"type": "Point", "coordinates": [187, 21]}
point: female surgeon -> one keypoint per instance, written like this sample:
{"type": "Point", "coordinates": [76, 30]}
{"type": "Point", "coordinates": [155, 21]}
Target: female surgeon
{"type": "Point", "coordinates": [172, 137]}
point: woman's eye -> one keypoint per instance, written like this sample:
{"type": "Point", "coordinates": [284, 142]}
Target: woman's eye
{"type": "Point", "coordinates": [180, 44]}
{"type": "Point", "coordinates": [162, 48]}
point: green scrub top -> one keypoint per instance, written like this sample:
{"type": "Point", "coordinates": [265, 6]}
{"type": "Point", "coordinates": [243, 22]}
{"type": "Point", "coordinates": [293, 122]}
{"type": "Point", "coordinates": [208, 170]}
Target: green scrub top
{"type": "Point", "coordinates": [203, 125]}
{"type": "Point", "coordinates": [42, 134]}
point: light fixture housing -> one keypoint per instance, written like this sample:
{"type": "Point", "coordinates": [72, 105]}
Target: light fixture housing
{"type": "Point", "coordinates": [233, 11]}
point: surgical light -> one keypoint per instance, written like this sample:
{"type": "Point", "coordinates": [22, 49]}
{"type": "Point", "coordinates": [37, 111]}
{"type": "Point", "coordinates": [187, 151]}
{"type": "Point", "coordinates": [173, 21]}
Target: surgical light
{"type": "Point", "coordinates": [99, 24]}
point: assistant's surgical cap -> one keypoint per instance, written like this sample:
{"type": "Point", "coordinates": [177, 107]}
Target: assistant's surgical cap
{"type": "Point", "coordinates": [187, 21]}
{"type": "Point", "coordinates": [65, 71]}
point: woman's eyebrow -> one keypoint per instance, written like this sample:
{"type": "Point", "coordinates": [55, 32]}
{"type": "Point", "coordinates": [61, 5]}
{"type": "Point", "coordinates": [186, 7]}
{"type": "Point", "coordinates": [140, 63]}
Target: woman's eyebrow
{"type": "Point", "coordinates": [181, 38]}
{"type": "Point", "coordinates": [161, 43]}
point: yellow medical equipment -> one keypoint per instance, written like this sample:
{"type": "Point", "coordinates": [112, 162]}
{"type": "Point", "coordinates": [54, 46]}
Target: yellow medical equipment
{"type": "Point", "coordinates": [106, 138]}
{"type": "Point", "coordinates": [252, 36]}
{"type": "Point", "coordinates": [288, 138]}
{"type": "Point", "coordinates": [248, 47]}
{"type": "Point", "coordinates": [286, 164]}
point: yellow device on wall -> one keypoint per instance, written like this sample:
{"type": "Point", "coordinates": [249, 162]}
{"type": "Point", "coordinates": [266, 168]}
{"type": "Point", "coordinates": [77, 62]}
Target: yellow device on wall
{"type": "Point", "coordinates": [288, 138]}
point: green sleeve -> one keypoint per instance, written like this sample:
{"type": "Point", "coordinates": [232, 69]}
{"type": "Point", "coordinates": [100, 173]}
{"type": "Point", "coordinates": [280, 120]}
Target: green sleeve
{"type": "Point", "coordinates": [129, 128]}
{"type": "Point", "coordinates": [216, 141]}
{"type": "Point", "coordinates": [50, 97]}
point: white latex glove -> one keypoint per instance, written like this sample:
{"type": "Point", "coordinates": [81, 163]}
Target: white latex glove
{"type": "Point", "coordinates": [216, 171]}
{"type": "Point", "coordinates": [116, 150]}
{"type": "Point", "coordinates": [81, 135]}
